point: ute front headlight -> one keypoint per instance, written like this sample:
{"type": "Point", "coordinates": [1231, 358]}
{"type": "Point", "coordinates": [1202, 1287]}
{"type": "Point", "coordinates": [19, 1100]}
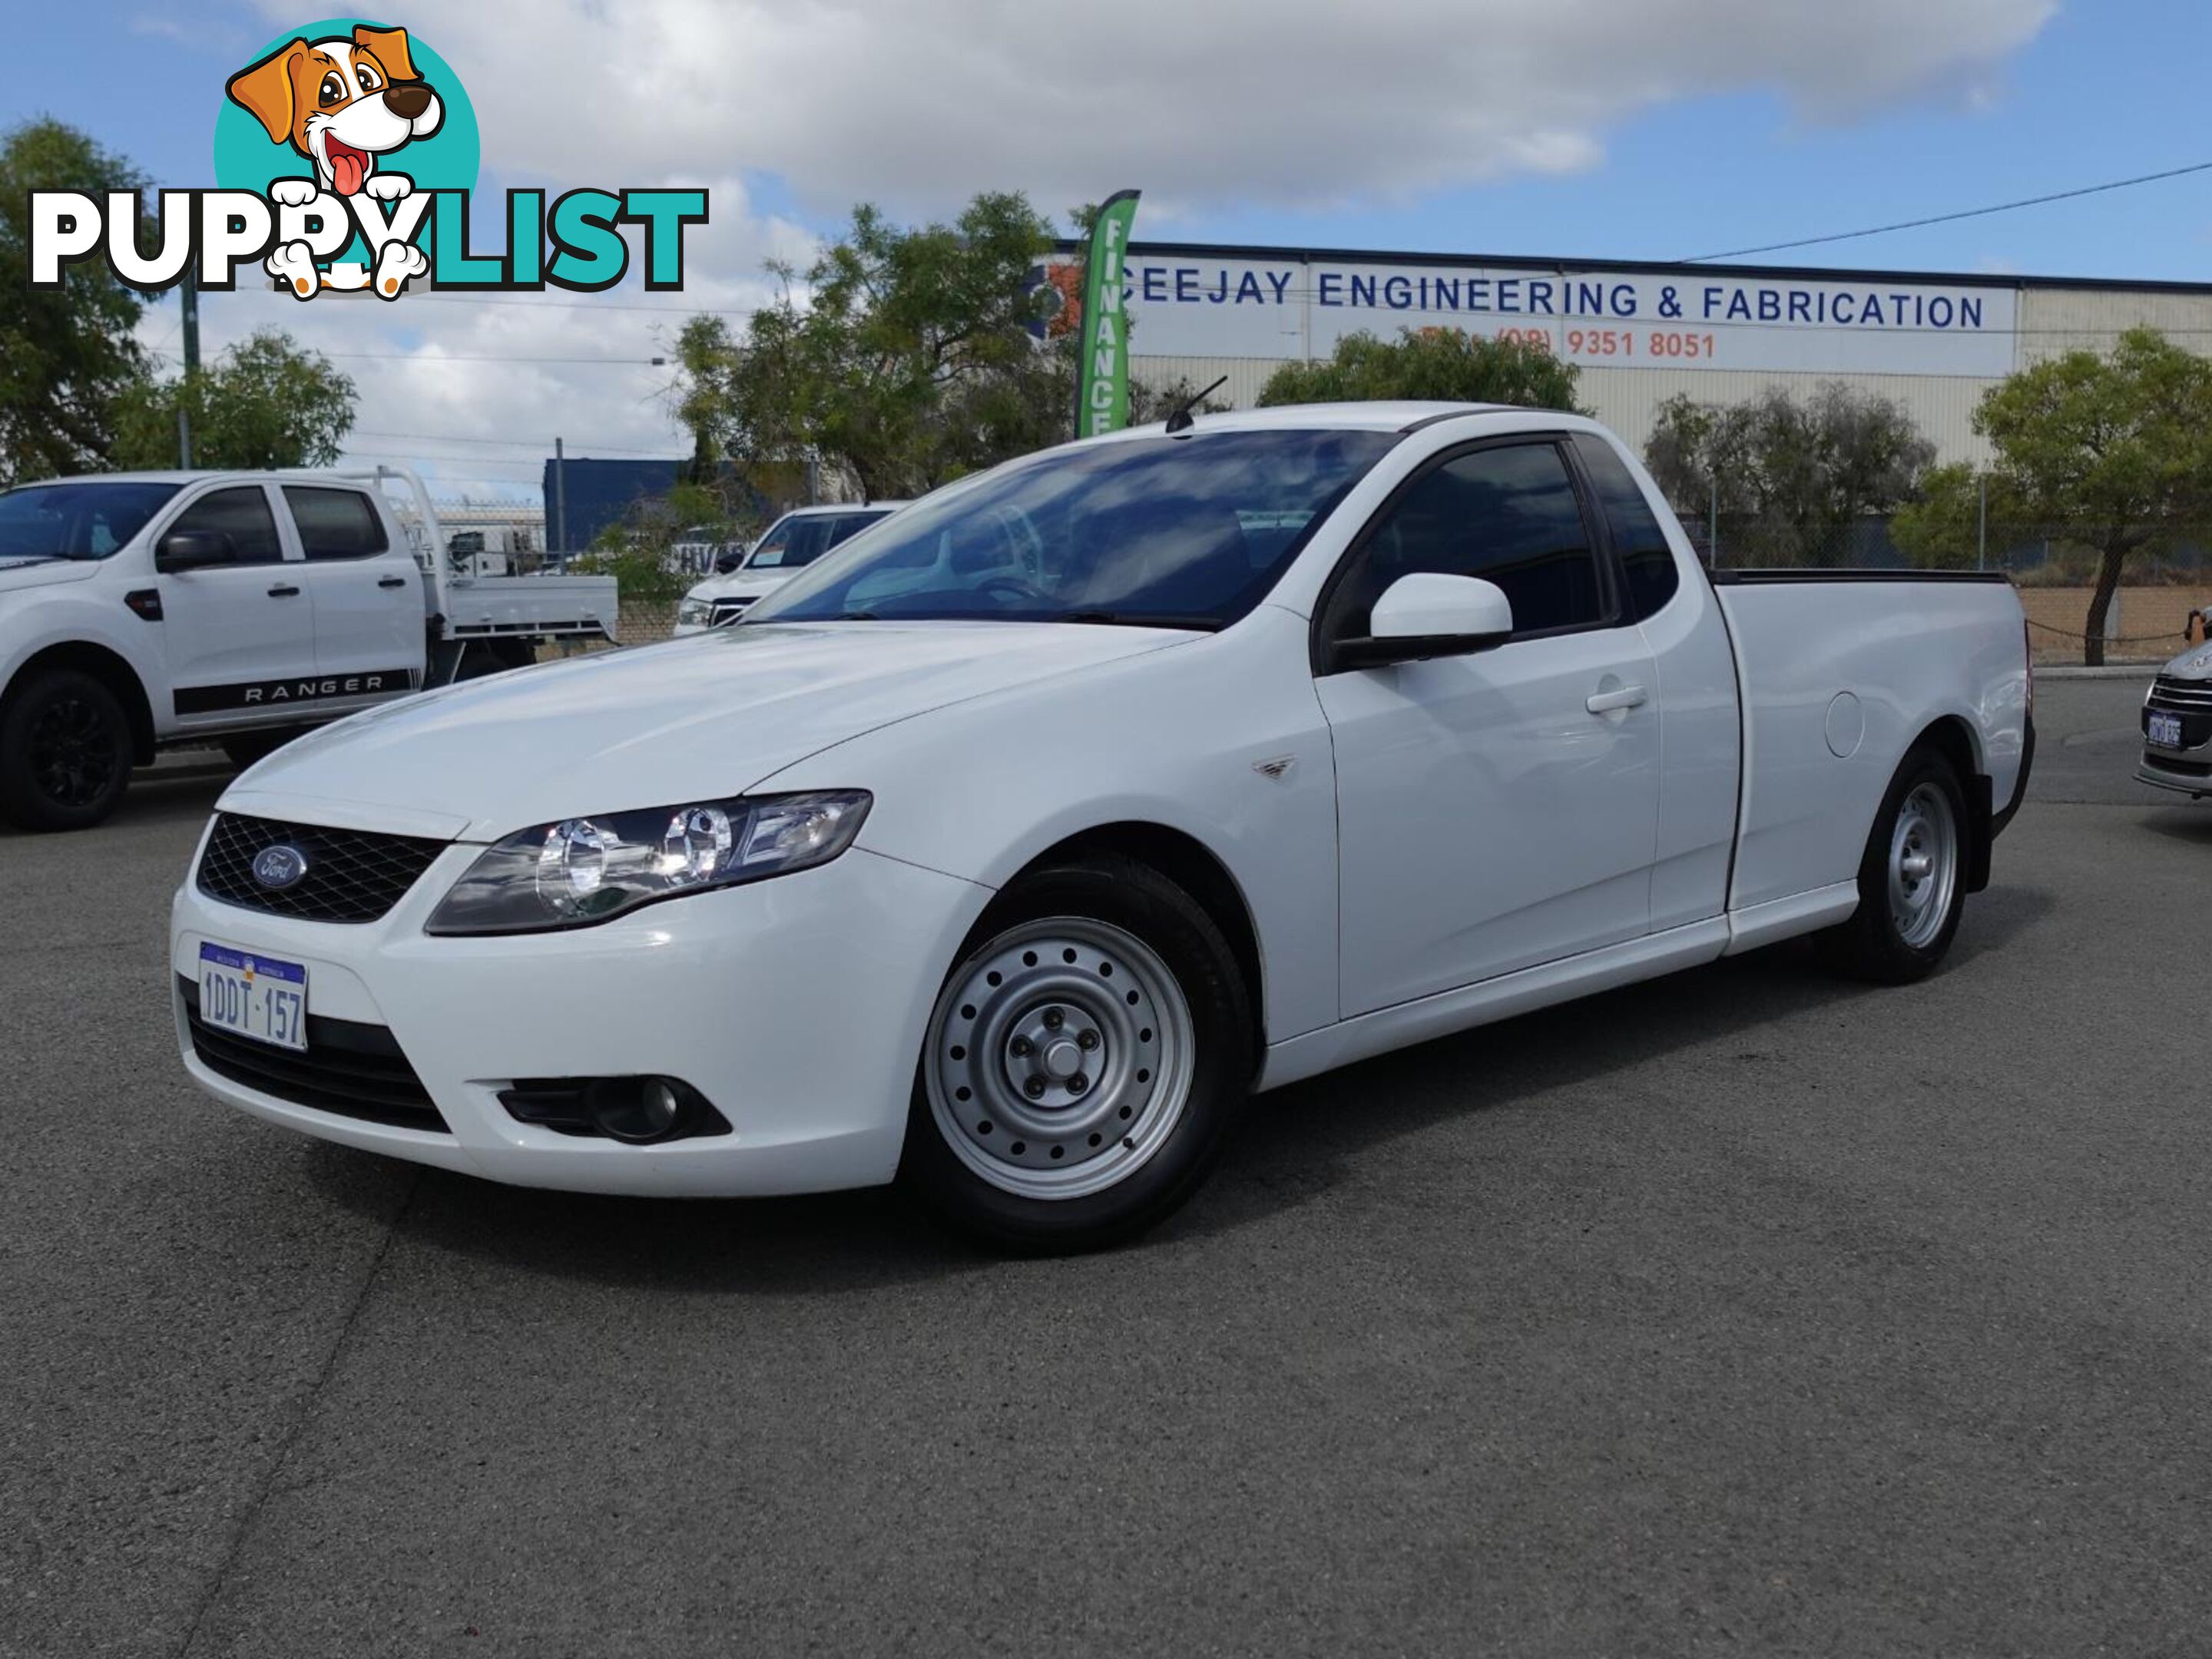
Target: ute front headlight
{"type": "Point", "coordinates": [694, 613]}
{"type": "Point", "coordinates": [583, 871]}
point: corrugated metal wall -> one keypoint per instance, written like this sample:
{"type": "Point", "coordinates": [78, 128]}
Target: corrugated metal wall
{"type": "Point", "coordinates": [2052, 320]}
{"type": "Point", "coordinates": [2059, 319]}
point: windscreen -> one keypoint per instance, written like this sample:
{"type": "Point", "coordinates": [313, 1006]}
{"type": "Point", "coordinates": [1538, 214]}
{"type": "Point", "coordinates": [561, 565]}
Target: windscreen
{"type": "Point", "coordinates": [1188, 532]}
{"type": "Point", "coordinates": [75, 520]}
{"type": "Point", "coordinates": [796, 541]}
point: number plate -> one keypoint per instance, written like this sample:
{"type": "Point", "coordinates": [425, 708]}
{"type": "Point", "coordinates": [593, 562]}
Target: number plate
{"type": "Point", "coordinates": [2165, 730]}
{"type": "Point", "coordinates": [254, 995]}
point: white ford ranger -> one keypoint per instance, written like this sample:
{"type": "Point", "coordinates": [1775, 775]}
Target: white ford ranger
{"type": "Point", "coordinates": [1264, 746]}
{"type": "Point", "coordinates": [139, 610]}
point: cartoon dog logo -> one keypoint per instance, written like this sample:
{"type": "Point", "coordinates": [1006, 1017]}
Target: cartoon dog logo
{"type": "Point", "coordinates": [344, 103]}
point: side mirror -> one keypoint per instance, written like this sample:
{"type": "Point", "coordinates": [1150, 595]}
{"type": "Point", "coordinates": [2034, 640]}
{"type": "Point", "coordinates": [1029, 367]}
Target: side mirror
{"type": "Point", "coordinates": [190, 550]}
{"type": "Point", "coordinates": [1430, 614]}
{"type": "Point", "coordinates": [728, 560]}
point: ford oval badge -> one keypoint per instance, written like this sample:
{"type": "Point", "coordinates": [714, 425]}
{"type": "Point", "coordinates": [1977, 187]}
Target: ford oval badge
{"type": "Point", "coordinates": [279, 866]}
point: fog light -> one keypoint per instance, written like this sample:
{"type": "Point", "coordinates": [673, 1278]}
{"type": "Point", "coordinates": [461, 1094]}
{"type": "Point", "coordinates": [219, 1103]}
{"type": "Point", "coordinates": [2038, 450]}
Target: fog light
{"type": "Point", "coordinates": [637, 1109]}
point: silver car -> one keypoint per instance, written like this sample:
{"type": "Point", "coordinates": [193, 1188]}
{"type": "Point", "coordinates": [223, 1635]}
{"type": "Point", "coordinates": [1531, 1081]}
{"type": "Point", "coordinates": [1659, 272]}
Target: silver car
{"type": "Point", "coordinates": [2176, 723]}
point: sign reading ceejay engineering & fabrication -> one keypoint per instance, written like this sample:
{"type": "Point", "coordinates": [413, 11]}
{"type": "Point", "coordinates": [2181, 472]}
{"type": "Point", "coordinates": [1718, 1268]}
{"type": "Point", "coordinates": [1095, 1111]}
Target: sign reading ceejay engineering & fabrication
{"type": "Point", "coordinates": [1663, 317]}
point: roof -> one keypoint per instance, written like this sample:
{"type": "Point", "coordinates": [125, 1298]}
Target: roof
{"type": "Point", "coordinates": [821, 507]}
{"type": "Point", "coordinates": [175, 475]}
{"type": "Point", "coordinates": [169, 478]}
{"type": "Point", "coordinates": [1379, 417]}
{"type": "Point", "coordinates": [1555, 263]}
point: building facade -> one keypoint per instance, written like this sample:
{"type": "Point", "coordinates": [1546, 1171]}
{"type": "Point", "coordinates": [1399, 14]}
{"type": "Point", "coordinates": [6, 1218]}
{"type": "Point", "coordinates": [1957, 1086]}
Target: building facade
{"type": "Point", "coordinates": [1642, 333]}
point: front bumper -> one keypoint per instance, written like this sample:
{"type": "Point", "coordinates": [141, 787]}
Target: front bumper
{"type": "Point", "coordinates": [797, 1006]}
{"type": "Point", "coordinates": [2186, 767]}
{"type": "Point", "coordinates": [2163, 770]}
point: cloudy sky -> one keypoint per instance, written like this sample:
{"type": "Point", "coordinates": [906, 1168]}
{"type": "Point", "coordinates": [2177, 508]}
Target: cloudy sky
{"type": "Point", "coordinates": [1636, 129]}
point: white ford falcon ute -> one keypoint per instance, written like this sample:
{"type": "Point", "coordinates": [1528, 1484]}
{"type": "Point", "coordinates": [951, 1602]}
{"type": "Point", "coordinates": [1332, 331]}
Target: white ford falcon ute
{"type": "Point", "coordinates": [1008, 850]}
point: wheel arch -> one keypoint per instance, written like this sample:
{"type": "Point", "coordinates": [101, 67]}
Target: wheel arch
{"type": "Point", "coordinates": [1199, 871]}
{"type": "Point", "coordinates": [110, 669]}
{"type": "Point", "coordinates": [1951, 736]}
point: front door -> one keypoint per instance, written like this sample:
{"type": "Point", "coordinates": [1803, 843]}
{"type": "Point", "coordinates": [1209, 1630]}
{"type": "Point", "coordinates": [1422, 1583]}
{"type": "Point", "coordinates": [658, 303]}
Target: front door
{"type": "Point", "coordinates": [240, 635]}
{"type": "Point", "coordinates": [1496, 810]}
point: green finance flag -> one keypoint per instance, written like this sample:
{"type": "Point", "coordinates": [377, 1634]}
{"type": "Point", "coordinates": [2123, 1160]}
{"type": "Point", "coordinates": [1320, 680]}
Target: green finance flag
{"type": "Point", "coordinates": [1101, 388]}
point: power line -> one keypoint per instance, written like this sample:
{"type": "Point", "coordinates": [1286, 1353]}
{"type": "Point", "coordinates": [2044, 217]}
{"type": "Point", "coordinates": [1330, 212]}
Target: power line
{"type": "Point", "coordinates": [1947, 218]}
{"type": "Point", "coordinates": [502, 443]}
{"type": "Point", "coordinates": [542, 302]}
{"type": "Point", "coordinates": [421, 360]}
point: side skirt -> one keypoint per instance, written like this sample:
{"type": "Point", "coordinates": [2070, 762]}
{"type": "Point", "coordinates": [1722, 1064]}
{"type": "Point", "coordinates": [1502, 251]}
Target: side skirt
{"type": "Point", "coordinates": [1700, 942]}
{"type": "Point", "coordinates": [1367, 1034]}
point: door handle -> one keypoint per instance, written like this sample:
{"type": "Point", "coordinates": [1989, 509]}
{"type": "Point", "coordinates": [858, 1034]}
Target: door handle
{"type": "Point", "coordinates": [391, 581]}
{"type": "Point", "coordinates": [1604, 702]}
{"type": "Point", "coordinates": [283, 590]}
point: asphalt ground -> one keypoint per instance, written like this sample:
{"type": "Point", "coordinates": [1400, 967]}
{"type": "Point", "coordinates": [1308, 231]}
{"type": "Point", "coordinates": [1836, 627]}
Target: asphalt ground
{"type": "Point", "coordinates": [1745, 1312]}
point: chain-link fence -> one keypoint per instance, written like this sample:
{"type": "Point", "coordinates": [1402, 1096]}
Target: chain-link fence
{"type": "Point", "coordinates": [2160, 604]}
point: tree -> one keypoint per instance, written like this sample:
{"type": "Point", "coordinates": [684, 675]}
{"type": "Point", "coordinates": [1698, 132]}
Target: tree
{"type": "Point", "coordinates": [264, 402]}
{"type": "Point", "coordinates": [911, 362]}
{"type": "Point", "coordinates": [1942, 529]}
{"type": "Point", "coordinates": [66, 354]}
{"type": "Point", "coordinates": [1788, 476]}
{"type": "Point", "coordinates": [1446, 364]}
{"type": "Point", "coordinates": [2116, 448]}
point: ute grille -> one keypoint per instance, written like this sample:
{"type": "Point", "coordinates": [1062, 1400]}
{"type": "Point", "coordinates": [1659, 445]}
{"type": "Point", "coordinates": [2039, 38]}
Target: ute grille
{"type": "Point", "coordinates": [352, 875]}
{"type": "Point", "coordinates": [2184, 697]}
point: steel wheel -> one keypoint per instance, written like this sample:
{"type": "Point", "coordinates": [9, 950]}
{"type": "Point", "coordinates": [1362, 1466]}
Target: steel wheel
{"type": "Point", "coordinates": [1061, 1058]}
{"type": "Point", "coordinates": [74, 751]}
{"type": "Point", "coordinates": [1923, 865]}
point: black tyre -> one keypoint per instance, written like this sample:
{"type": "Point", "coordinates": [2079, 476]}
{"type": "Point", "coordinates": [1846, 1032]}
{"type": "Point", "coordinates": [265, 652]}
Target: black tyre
{"type": "Point", "coordinates": [1912, 878]}
{"type": "Point", "coordinates": [1088, 1056]}
{"type": "Point", "coordinates": [247, 747]}
{"type": "Point", "coordinates": [481, 659]}
{"type": "Point", "coordinates": [65, 752]}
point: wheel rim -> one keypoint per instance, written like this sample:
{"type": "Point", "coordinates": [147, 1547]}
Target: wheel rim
{"type": "Point", "coordinates": [1061, 1057]}
{"type": "Point", "coordinates": [1923, 865]}
{"type": "Point", "coordinates": [74, 755]}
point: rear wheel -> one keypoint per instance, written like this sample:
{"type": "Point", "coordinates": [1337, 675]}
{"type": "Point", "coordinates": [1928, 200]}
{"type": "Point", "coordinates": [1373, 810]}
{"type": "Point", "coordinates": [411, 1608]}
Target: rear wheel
{"type": "Point", "coordinates": [1085, 1061]}
{"type": "Point", "coordinates": [1912, 887]}
{"type": "Point", "coordinates": [65, 752]}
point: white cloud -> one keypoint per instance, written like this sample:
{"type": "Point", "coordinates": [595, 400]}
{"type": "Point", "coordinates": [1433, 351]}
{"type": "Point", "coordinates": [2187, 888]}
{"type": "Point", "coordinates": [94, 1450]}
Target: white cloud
{"type": "Point", "coordinates": [1203, 102]}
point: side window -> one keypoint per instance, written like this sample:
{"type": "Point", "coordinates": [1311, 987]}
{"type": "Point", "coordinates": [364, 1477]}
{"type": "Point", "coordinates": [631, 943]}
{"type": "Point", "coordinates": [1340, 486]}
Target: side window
{"type": "Point", "coordinates": [337, 523]}
{"type": "Point", "coordinates": [1647, 563]}
{"type": "Point", "coordinates": [1509, 515]}
{"type": "Point", "coordinates": [242, 516]}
